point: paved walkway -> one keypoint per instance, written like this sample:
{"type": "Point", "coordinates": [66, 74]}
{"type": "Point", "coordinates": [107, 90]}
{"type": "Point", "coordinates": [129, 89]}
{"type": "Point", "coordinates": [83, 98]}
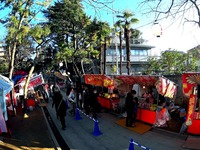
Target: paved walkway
{"type": "Point", "coordinates": [28, 133]}
{"type": "Point", "coordinates": [35, 133]}
{"type": "Point", "coordinates": [78, 134]}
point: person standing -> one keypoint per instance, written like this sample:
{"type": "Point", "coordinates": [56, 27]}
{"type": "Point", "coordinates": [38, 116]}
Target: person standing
{"type": "Point", "coordinates": [94, 102]}
{"type": "Point", "coordinates": [129, 104]}
{"type": "Point", "coordinates": [135, 101]}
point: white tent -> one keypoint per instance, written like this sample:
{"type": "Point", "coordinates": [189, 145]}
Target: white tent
{"type": "Point", "coordinates": [5, 87]}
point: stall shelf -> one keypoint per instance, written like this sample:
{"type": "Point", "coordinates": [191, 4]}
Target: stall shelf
{"type": "Point", "coordinates": [108, 103]}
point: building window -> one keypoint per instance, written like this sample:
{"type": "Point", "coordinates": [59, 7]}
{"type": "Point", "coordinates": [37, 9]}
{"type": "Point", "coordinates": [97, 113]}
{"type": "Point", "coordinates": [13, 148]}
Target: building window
{"type": "Point", "coordinates": [134, 52]}
{"type": "Point", "coordinates": [138, 52]}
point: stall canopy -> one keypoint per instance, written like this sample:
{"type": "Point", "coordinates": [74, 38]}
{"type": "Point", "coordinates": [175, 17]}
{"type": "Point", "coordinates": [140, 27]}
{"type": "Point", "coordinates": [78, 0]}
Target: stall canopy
{"type": "Point", "coordinates": [5, 87]}
{"type": "Point", "coordinates": [99, 80]}
{"type": "Point", "coordinates": [164, 86]}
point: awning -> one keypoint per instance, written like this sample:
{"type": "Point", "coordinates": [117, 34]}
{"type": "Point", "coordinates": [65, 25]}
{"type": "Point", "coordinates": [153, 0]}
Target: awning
{"type": "Point", "coordinates": [164, 86]}
{"type": "Point", "coordinates": [143, 80]}
{"type": "Point", "coordinates": [5, 87]}
{"type": "Point", "coordinates": [5, 84]}
{"type": "Point", "coordinates": [99, 80]}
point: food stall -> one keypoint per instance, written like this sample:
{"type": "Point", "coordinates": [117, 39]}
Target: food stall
{"type": "Point", "coordinates": [191, 91]}
{"type": "Point", "coordinates": [108, 99]}
{"type": "Point", "coordinates": [161, 85]}
{"type": "Point", "coordinates": [125, 83]}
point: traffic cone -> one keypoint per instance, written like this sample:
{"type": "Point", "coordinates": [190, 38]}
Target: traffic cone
{"type": "Point", "coordinates": [77, 117]}
{"type": "Point", "coordinates": [96, 131]}
{"type": "Point", "coordinates": [131, 145]}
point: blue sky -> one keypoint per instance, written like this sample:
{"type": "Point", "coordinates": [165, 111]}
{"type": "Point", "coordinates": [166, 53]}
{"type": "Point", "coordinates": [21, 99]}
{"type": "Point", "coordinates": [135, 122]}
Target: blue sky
{"type": "Point", "coordinates": [175, 34]}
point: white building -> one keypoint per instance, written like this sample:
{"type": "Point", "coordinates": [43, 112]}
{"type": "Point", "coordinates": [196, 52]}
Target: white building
{"type": "Point", "coordinates": [139, 54]}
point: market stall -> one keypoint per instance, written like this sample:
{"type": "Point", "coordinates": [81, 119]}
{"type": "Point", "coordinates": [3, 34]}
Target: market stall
{"type": "Point", "coordinates": [143, 84]}
{"type": "Point", "coordinates": [35, 82]}
{"type": "Point", "coordinates": [107, 98]}
{"type": "Point", "coordinates": [5, 87]}
{"type": "Point", "coordinates": [191, 91]}
{"type": "Point", "coordinates": [147, 87]}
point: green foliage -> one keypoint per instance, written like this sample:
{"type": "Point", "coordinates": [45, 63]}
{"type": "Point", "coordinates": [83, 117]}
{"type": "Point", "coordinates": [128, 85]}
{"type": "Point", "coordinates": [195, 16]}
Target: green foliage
{"type": "Point", "coordinates": [73, 33]}
{"type": "Point", "coordinates": [39, 32]}
{"type": "Point", "coordinates": [135, 33]}
{"type": "Point", "coordinates": [173, 62]}
{"type": "Point", "coordinates": [114, 69]}
{"type": "Point", "coordinates": [4, 67]}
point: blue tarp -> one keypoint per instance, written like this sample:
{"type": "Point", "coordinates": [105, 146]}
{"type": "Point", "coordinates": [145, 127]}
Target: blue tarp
{"type": "Point", "coordinates": [5, 87]}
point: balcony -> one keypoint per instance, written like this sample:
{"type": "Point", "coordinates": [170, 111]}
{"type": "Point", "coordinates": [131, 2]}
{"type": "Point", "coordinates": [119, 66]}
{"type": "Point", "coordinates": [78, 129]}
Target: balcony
{"type": "Point", "coordinates": [110, 59]}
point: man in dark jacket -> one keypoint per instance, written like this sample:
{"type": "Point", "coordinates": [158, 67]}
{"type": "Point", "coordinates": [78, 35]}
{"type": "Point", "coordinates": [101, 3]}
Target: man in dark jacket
{"type": "Point", "coordinates": [61, 109]}
{"type": "Point", "coordinates": [129, 104]}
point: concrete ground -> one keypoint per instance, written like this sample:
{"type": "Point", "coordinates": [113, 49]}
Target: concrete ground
{"type": "Point", "coordinates": [42, 130]}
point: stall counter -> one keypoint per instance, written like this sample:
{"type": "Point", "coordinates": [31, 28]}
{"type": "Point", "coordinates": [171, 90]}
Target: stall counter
{"type": "Point", "coordinates": [194, 128]}
{"type": "Point", "coordinates": [108, 103]}
{"type": "Point", "coordinates": [147, 116]}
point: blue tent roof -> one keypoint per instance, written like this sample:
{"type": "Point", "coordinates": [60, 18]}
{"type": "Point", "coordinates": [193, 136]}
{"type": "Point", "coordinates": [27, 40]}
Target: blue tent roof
{"type": "Point", "coordinates": [5, 84]}
{"type": "Point", "coordinates": [5, 87]}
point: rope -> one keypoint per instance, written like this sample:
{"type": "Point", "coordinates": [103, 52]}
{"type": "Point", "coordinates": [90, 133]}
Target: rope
{"type": "Point", "coordinates": [137, 144]}
{"type": "Point", "coordinates": [95, 120]}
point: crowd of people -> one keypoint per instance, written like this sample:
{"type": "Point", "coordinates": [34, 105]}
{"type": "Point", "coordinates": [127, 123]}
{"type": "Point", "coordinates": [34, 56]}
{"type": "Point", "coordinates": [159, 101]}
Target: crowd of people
{"type": "Point", "coordinates": [85, 97]}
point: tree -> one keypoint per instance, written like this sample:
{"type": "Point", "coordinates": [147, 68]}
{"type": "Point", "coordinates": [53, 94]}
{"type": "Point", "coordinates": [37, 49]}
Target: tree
{"type": "Point", "coordinates": [102, 33]}
{"type": "Point", "coordinates": [67, 21]}
{"type": "Point", "coordinates": [118, 25]}
{"type": "Point", "coordinates": [175, 9]}
{"type": "Point", "coordinates": [19, 24]}
{"type": "Point", "coordinates": [173, 62]}
{"type": "Point", "coordinates": [127, 22]}
{"type": "Point", "coordinates": [154, 66]}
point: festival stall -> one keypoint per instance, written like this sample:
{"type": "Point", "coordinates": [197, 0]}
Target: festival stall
{"type": "Point", "coordinates": [35, 81]}
{"type": "Point", "coordinates": [5, 87]}
{"type": "Point", "coordinates": [125, 83]}
{"type": "Point", "coordinates": [191, 90]}
{"type": "Point", "coordinates": [147, 102]}
{"type": "Point", "coordinates": [108, 100]}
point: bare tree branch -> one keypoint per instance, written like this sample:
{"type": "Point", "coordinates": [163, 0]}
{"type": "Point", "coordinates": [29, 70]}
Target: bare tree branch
{"type": "Point", "coordinates": [174, 9]}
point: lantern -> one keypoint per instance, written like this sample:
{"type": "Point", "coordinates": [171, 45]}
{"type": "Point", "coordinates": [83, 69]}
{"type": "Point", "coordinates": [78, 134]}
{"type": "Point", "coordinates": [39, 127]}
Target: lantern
{"type": "Point", "coordinates": [157, 29]}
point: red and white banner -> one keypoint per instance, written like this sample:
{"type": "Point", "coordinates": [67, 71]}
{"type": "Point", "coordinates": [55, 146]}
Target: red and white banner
{"type": "Point", "coordinates": [166, 87]}
{"type": "Point", "coordinates": [34, 81]}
